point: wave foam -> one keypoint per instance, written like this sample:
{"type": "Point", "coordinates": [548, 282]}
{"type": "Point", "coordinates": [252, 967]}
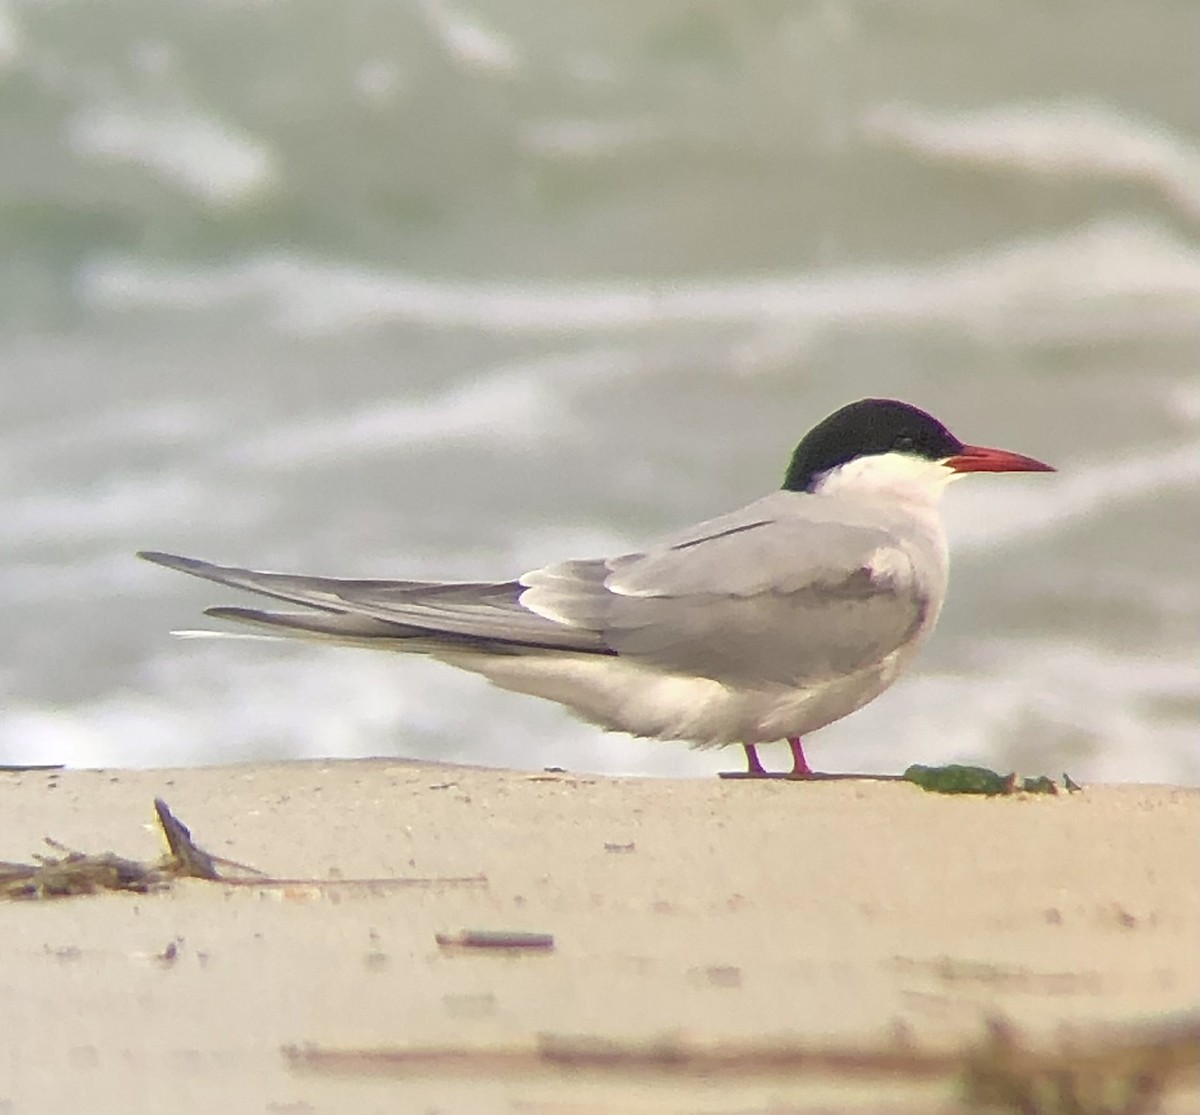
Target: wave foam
{"type": "Point", "coordinates": [468, 42]}
{"type": "Point", "coordinates": [1036, 705]}
{"type": "Point", "coordinates": [204, 157]}
{"type": "Point", "coordinates": [1109, 280]}
{"type": "Point", "coordinates": [1075, 139]}
{"type": "Point", "coordinates": [509, 405]}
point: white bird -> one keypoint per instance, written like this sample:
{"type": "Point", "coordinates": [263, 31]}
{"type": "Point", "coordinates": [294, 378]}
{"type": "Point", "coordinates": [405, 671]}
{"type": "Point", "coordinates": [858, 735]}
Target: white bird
{"type": "Point", "coordinates": [760, 625]}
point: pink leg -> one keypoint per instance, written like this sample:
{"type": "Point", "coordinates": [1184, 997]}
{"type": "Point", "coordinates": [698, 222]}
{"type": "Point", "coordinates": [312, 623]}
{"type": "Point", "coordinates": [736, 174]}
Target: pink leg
{"type": "Point", "coordinates": [800, 767]}
{"type": "Point", "coordinates": [753, 763]}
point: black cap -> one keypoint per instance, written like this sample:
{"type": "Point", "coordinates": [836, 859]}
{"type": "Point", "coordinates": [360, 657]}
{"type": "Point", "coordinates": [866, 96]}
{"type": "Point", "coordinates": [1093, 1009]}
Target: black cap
{"type": "Point", "coordinates": [863, 429]}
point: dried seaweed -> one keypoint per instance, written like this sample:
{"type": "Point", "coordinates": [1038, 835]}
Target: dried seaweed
{"type": "Point", "coordinates": [72, 873]}
{"type": "Point", "coordinates": [1106, 1076]}
{"type": "Point", "coordinates": [76, 873]}
{"type": "Point", "coordinates": [955, 778]}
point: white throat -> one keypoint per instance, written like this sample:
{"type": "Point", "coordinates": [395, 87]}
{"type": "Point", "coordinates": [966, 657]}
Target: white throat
{"type": "Point", "coordinates": [895, 476]}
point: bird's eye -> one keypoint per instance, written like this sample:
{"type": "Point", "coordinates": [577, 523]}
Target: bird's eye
{"type": "Point", "coordinates": [903, 442]}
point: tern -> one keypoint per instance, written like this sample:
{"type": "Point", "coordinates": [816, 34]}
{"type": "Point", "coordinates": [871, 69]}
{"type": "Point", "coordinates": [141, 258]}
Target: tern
{"type": "Point", "coordinates": [760, 625]}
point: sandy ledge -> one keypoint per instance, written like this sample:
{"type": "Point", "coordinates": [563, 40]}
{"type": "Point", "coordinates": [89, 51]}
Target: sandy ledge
{"type": "Point", "coordinates": [849, 915]}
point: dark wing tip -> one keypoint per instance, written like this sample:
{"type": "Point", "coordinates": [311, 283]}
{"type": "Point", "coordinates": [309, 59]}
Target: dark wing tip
{"type": "Point", "coordinates": [194, 566]}
{"type": "Point", "coordinates": [250, 615]}
{"type": "Point", "coordinates": [171, 561]}
{"type": "Point", "coordinates": [318, 625]}
{"type": "Point", "coordinates": [291, 621]}
{"type": "Point", "coordinates": [303, 623]}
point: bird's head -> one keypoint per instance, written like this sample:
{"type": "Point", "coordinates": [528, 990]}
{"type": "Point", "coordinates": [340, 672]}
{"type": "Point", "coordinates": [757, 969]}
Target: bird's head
{"type": "Point", "coordinates": [885, 444]}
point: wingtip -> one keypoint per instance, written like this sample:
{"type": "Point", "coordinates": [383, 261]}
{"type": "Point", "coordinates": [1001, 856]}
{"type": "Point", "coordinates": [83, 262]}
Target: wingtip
{"type": "Point", "coordinates": [226, 611]}
{"type": "Point", "coordinates": [157, 557]}
{"type": "Point", "coordinates": [172, 561]}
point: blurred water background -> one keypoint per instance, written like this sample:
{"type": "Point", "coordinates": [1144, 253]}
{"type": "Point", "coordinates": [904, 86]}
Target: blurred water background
{"type": "Point", "coordinates": [458, 287]}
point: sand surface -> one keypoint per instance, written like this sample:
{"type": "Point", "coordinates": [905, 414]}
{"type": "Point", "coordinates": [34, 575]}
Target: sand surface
{"type": "Point", "coordinates": [846, 915]}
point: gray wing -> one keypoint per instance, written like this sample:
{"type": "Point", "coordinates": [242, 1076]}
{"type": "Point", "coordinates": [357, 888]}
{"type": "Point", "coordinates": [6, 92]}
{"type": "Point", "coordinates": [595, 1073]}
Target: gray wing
{"type": "Point", "coordinates": [486, 615]}
{"type": "Point", "coordinates": [762, 595]}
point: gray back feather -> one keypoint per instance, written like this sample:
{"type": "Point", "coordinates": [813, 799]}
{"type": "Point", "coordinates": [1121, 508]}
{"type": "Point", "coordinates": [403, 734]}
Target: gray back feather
{"type": "Point", "coordinates": [767, 594]}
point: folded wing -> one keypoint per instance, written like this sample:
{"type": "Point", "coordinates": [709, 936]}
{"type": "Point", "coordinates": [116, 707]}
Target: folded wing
{"type": "Point", "coordinates": [767, 594]}
{"type": "Point", "coordinates": [762, 596]}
